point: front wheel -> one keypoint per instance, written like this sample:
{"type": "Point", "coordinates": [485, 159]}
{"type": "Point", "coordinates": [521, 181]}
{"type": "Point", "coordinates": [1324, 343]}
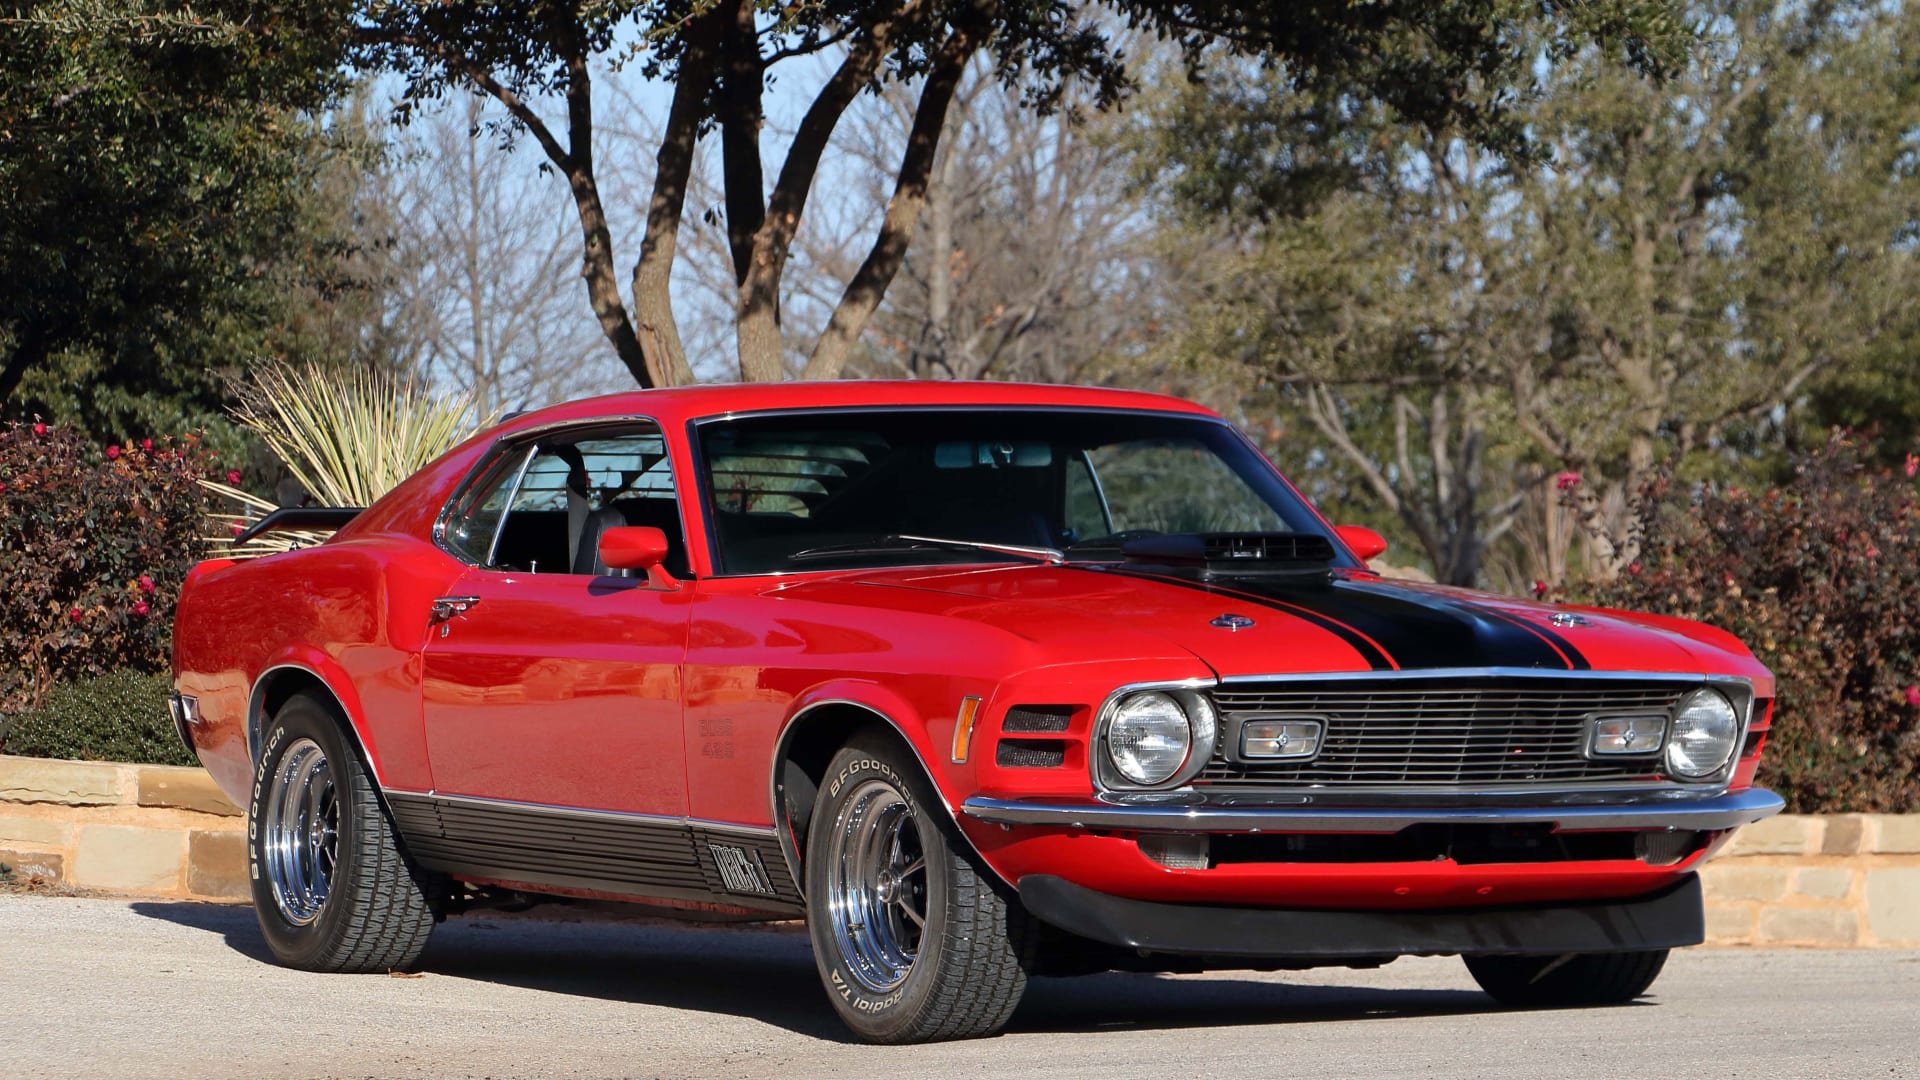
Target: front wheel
{"type": "Point", "coordinates": [1562, 981]}
{"type": "Point", "coordinates": [913, 941]}
{"type": "Point", "coordinates": [331, 887]}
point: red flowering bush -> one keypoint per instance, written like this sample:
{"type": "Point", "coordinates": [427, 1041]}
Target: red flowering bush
{"type": "Point", "coordinates": [1821, 578]}
{"type": "Point", "coordinates": [94, 545]}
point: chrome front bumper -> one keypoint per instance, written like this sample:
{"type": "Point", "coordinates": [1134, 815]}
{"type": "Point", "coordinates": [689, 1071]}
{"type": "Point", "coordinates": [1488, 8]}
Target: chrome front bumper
{"type": "Point", "coordinates": [1644, 810]}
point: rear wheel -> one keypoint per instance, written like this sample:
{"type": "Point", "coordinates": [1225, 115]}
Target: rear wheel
{"type": "Point", "coordinates": [331, 887]}
{"type": "Point", "coordinates": [913, 941]}
{"type": "Point", "coordinates": [1559, 981]}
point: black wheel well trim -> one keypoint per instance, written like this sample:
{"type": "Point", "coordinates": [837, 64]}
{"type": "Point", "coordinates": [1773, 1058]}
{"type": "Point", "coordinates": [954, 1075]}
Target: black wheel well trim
{"type": "Point", "coordinates": [789, 846]}
{"type": "Point", "coordinates": [257, 717]}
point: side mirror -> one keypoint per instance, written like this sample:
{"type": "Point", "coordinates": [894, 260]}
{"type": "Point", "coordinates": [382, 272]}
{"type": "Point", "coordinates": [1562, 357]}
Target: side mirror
{"type": "Point", "coordinates": [1364, 542]}
{"type": "Point", "coordinates": [637, 547]}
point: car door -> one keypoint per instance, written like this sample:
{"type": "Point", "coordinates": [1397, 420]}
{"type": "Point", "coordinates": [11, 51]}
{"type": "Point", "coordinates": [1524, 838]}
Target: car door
{"type": "Point", "coordinates": [547, 680]}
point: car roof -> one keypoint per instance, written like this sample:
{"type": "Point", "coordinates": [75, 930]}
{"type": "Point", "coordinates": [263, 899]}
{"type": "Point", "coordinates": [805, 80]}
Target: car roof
{"type": "Point", "coordinates": [680, 404]}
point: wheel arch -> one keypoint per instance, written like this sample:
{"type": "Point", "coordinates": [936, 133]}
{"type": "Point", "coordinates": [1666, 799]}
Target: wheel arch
{"type": "Point", "coordinates": [811, 736]}
{"type": "Point", "coordinates": [280, 682]}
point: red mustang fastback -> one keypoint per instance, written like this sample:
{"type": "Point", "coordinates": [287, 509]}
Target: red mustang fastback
{"type": "Point", "coordinates": [982, 680]}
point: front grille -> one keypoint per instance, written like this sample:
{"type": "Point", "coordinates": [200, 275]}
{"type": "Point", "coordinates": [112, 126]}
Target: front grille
{"type": "Point", "coordinates": [1440, 733]}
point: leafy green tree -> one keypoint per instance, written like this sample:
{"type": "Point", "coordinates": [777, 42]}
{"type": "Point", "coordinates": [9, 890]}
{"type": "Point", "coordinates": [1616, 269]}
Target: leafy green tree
{"type": "Point", "coordinates": [1492, 346]}
{"type": "Point", "coordinates": [1448, 64]}
{"type": "Point", "coordinates": [161, 218]}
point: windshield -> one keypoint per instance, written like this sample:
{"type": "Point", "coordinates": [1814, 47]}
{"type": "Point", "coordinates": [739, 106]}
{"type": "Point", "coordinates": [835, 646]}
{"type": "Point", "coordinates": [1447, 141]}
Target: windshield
{"type": "Point", "coordinates": [833, 489]}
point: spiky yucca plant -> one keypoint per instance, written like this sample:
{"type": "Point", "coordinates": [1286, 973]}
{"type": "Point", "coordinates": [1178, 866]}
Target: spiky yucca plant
{"type": "Point", "coordinates": [350, 437]}
{"type": "Point", "coordinates": [347, 437]}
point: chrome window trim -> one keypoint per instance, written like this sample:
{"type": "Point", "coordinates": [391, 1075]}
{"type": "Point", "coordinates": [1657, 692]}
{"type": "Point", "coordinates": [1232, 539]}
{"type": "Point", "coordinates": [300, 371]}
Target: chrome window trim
{"type": "Point", "coordinates": [703, 491]}
{"type": "Point", "coordinates": [509, 441]}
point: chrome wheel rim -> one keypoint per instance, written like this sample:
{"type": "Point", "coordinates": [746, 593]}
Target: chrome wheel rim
{"type": "Point", "coordinates": [877, 886]}
{"type": "Point", "coordinates": [300, 836]}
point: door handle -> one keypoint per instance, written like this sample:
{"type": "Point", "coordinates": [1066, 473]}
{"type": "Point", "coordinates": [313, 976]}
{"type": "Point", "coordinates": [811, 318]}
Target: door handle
{"type": "Point", "coordinates": [448, 606]}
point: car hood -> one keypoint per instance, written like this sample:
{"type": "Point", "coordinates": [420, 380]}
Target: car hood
{"type": "Point", "coordinates": [1252, 625]}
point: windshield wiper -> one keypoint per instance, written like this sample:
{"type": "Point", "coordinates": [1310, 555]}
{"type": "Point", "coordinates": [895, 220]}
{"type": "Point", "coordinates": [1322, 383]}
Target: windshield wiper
{"type": "Point", "coordinates": [904, 542]}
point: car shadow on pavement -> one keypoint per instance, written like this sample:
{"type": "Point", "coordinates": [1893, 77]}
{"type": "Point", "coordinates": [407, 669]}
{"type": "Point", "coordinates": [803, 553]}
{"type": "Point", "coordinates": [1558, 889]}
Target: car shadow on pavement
{"type": "Point", "coordinates": [768, 975]}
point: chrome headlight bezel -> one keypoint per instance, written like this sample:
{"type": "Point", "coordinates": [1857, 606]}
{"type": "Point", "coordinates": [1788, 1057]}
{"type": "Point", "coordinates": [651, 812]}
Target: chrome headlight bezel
{"type": "Point", "coordinates": [1736, 720]}
{"type": "Point", "coordinates": [1203, 727]}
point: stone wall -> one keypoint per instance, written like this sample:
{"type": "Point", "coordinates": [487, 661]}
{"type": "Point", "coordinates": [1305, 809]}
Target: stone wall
{"type": "Point", "coordinates": [1839, 880]}
{"type": "Point", "coordinates": [154, 830]}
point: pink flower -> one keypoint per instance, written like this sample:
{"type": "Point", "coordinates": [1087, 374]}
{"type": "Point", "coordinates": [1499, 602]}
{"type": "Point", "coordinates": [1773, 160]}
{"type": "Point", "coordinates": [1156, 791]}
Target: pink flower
{"type": "Point", "coordinates": [146, 584]}
{"type": "Point", "coordinates": [1872, 552]}
{"type": "Point", "coordinates": [233, 477]}
{"type": "Point", "coordinates": [147, 445]}
{"type": "Point", "coordinates": [140, 607]}
{"type": "Point", "coordinates": [1913, 465]}
{"type": "Point", "coordinates": [1566, 480]}
{"type": "Point", "coordinates": [1539, 588]}
{"type": "Point", "coordinates": [1633, 567]}
{"type": "Point", "coordinates": [3, 489]}
{"type": "Point", "coordinates": [1727, 579]}
{"type": "Point", "coordinates": [41, 429]}
{"type": "Point", "coordinates": [113, 452]}
{"type": "Point", "coordinates": [236, 527]}
{"type": "Point", "coordinates": [1913, 696]}
{"type": "Point", "coordinates": [75, 614]}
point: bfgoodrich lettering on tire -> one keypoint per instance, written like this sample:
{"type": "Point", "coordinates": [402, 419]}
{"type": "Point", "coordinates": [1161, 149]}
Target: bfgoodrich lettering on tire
{"type": "Point", "coordinates": [331, 887]}
{"type": "Point", "coordinates": [913, 941]}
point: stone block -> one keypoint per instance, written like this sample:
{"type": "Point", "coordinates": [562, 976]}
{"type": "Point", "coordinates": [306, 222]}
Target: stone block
{"type": "Point", "coordinates": [1732, 882]}
{"type": "Point", "coordinates": [1893, 905]}
{"type": "Point", "coordinates": [187, 789]}
{"type": "Point", "coordinates": [1843, 835]}
{"type": "Point", "coordinates": [40, 832]}
{"type": "Point", "coordinates": [1808, 926]}
{"type": "Point", "coordinates": [217, 864]}
{"type": "Point", "coordinates": [1788, 834]}
{"type": "Point", "coordinates": [28, 866]}
{"type": "Point", "coordinates": [1824, 882]}
{"type": "Point", "coordinates": [128, 858]}
{"type": "Point", "coordinates": [72, 783]}
{"type": "Point", "coordinates": [1899, 834]}
{"type": "Point", "coordinates": [1729, 924]}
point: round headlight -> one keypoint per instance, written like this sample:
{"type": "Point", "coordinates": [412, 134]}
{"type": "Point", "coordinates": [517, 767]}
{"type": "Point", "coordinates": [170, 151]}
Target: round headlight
{"type": "Point", "coordinates": [1149, 737]}
{"type": "Point", "coordinates": [1705, 731]}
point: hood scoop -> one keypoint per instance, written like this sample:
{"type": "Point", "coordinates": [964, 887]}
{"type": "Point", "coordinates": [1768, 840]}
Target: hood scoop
{"type": "Point", "coordinates": [1215, 555]}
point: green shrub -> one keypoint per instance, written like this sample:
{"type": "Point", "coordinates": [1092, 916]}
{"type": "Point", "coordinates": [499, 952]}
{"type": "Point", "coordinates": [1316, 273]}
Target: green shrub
{"type": "Point", "coordinates": [121, 716]}
{"type": "Point", "coordinates": [1821, 578]}
{"type": "Point", "coordinates": [94, 545]}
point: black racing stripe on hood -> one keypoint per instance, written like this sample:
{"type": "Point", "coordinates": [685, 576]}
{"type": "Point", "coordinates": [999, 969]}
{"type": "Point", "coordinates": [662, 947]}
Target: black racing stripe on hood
{"type": "Point", "coordinates": [1369, 650]}
{"type": "Point", "coordinates": [1576, 660]}
{"type": "Point", "coordinates": [1413, 629]}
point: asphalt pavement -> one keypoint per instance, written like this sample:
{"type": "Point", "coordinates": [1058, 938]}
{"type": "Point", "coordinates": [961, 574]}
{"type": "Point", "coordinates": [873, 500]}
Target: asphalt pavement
{"type": "Point", "coordinates": [128, 989]}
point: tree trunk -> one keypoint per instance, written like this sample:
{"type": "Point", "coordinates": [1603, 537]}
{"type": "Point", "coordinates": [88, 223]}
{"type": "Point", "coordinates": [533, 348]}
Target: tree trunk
{"type": "Point", "coordinates": [742, 82]}
{"type": "Point", "coordinates": [757, 309]}
{"type": "Point", "coordinates": [869, 284]}
{"type": "Point", "coordinates": [673, 165]}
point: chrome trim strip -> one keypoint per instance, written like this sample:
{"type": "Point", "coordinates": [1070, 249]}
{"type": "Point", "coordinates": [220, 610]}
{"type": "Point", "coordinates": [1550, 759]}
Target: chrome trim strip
{"type": "Point", "coordinates": [1708, 814]}
{"type": "Point", "coordinates": [257, 719]}
{"type": "Point", "coordinates": [581, 812]}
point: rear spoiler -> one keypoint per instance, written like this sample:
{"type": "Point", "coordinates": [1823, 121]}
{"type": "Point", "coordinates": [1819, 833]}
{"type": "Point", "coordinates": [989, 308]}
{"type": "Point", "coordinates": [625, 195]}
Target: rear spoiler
{"type": "Point", "coordinates": [299, 518]}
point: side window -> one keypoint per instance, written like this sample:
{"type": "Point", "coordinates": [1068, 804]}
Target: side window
{"type": "Point", "coordinates": [1177, 486]}
{"type": "Point", "coordinates": [577, 487]}
{"type": "Point", "coordinates": [475, 519]}
{"type": "Point", "coordinates": [1086, 516]}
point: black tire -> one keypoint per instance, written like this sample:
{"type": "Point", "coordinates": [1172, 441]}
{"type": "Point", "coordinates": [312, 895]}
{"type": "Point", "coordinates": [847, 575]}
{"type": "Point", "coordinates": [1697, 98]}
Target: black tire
{"type": "Point", "coordinates": [374, 911]}
{"type": "Point", "coordinates": [1585, 979]}
{"type": "Point", "coordinates": [964, 976]}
